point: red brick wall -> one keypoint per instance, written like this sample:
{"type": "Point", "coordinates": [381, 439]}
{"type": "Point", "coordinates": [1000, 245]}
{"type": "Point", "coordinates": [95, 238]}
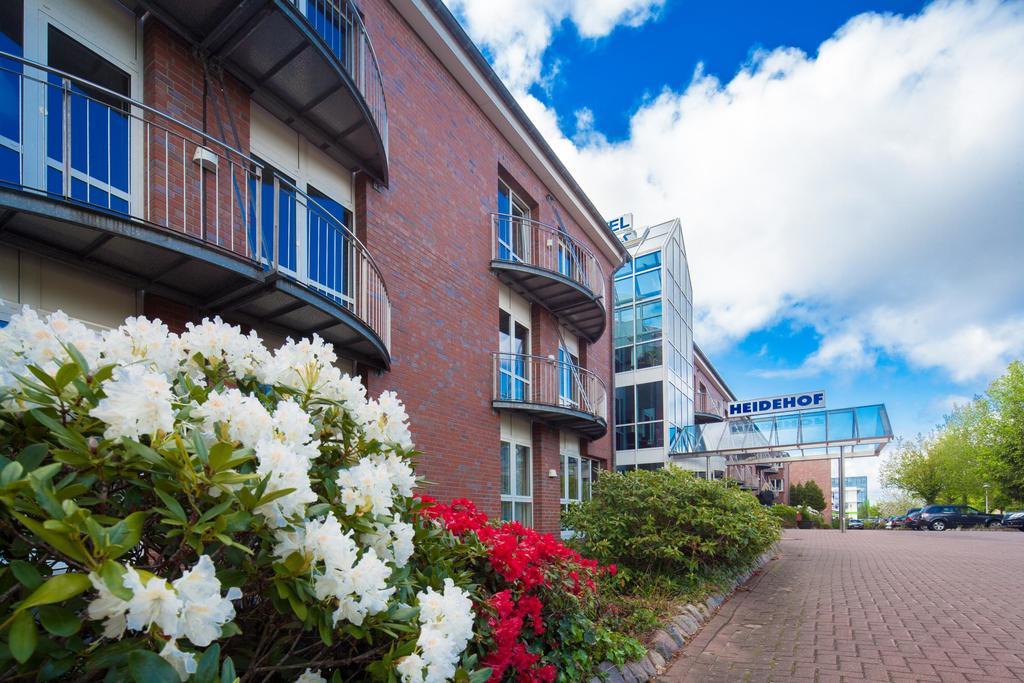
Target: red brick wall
{"type": "Point", "coordinates": [819, 471]}
{"type": "Point", "coordinates": [430, 232]}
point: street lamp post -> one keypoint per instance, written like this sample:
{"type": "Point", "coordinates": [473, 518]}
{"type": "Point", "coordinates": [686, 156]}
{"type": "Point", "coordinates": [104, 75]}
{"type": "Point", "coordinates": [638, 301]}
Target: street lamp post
{"type": "Point", "coordinates": [985, 486]}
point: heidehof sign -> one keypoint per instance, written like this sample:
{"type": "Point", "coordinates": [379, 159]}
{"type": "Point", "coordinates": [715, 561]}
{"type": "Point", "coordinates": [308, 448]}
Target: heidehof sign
{"type": "Point", "coordinates": [777, 404]}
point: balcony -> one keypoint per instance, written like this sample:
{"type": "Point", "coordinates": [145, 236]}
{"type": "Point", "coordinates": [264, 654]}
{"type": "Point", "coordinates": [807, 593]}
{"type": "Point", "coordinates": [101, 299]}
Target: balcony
{"type": "Point", "coordinates": [707, 408]}
{"type": "Point", "coordinates": [310, 62]}
{"type": "Point", "coordinates": [559, 394]}
{"type": "Point", "coordinates": [549, 267]}
{"type": "Point", "coordinates": [108, 184]}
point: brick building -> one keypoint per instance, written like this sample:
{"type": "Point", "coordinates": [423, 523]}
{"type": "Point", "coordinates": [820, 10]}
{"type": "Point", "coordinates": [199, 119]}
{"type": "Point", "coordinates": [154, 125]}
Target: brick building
{"type": "Point", "coordinates": [314, 166]}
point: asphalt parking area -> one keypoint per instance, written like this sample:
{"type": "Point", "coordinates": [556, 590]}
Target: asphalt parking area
{"type": "Point", "coordinates": [872, 606]}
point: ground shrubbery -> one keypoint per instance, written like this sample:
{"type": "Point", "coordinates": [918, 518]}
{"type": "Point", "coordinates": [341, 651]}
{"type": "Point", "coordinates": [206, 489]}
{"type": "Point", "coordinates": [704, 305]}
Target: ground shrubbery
{"type": "Point", "coordinates": [786, 514]}
{"type": "Point", "coordinates": [671, 522]}
{"type": "Point", "coordinates": [194, 506]}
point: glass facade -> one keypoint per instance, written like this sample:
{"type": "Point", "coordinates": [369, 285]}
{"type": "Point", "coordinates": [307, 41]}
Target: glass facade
{"type": "Point", "coordinates": [653, 342]}
{"type": "Point", "coordinates": [516, 483]}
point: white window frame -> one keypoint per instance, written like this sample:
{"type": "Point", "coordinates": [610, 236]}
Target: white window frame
{"type": "Point", "coordinates": [512, 497]}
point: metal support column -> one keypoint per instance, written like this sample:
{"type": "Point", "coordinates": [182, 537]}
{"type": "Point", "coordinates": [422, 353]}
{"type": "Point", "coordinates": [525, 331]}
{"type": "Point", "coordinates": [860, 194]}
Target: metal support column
{"type": "Point", "coordinates": [842, 492]}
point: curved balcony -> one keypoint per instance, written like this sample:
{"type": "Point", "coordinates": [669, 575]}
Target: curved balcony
{"type": "Point", "coordinates": [549, 267]}
{"type": "Point", "coordinates": [707, 409]}
{"type": "Point", "coordinates": [310, 62]}
{"type": "Point", "coordinates": [557, 393]}
{"type": "Point", "coordinates": [108, 184]}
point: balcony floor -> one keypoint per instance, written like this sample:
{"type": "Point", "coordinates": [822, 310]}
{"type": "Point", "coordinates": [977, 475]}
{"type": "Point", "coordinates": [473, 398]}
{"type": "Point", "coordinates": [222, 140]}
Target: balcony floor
{"type": "Point", "coordinates": [559, 417]}
{"type": "Point", "coordinates": [580, 309]}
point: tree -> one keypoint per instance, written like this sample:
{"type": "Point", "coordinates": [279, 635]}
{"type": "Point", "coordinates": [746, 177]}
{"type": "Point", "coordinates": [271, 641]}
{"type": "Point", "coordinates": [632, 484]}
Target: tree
{"type": "Point", "coordinates": [1006, 395]}
{"type": "Point", "coordinates": [897, 505]}
{"type": "Point", "coordinates": [807, 493]}
{"type": "Point", "coordinates": [911, 469]}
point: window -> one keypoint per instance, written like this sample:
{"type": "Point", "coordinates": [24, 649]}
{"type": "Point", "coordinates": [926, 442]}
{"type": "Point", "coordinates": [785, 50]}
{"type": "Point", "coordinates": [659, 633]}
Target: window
{"type": "Point", "coordinates": [11, 27]}
{"type": "Point", "coordinates": [577, 476]}
{"type": "Point", "coordinates": [96, 130]}
{"type": "Point", "coordinates": [568, 378]}
{"type": "Point", "coordinates": [513, 228]}
{"type": "Point", "coordinates": [638, 317]}
{"type": "Point", "coordinates": [513, 362]}
{"type": "Point", "coordinates": [639, 416]}
{"type": "Point", "coordinates": [330, 248]}
{"type": "Point", "coordinates": [516, 484]}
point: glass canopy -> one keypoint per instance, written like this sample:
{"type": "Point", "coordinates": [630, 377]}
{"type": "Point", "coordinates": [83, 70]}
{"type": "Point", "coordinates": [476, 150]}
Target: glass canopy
{"type": "Point", "coordinates": [810, 435]}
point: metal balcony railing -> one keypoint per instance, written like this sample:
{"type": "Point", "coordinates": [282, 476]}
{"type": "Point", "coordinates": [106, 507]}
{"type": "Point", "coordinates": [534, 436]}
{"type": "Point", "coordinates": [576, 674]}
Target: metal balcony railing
{"type": "Point", "coordinates": [704, 402]}
{"type": "Point", "coordinates": [543, 381]}
{"type": "Point", "coordinates": [529, 242]}
{"type": "Point", "coordinates": [340, 24]}
{"type": "Point", "coordinates": [102, 150]}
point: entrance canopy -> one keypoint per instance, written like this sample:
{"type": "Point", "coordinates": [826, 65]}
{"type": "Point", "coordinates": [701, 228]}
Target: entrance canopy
{"type": "Point", "coordinates": [805, 435]}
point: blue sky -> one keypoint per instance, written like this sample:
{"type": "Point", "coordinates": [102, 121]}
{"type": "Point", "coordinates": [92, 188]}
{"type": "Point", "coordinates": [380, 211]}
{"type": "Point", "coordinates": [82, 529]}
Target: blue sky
{"type": "Point", "coordinates": [850, 175]}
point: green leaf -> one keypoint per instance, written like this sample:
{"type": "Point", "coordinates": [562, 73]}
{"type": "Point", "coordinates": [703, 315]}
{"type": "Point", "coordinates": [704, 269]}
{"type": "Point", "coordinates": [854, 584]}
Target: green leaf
{"type": "Point", "coordinates": [53, 669]}
{"type": "Point", "coordinates": [227, 671]}
{"type": "Point", "coordinates": [215, 510]}
{"type": "Point", "coordinates": [31, 456]}
{"type": "Point", "coordinates": [57, 589]}
{"type": "Point", "coordinates": [220, 455]}
{"type": "Point", "coordinates": [112, 574]}
{"type": "Point", "coordinates": [125, 534]}
{"type": "Point", "coordinates": [11, 473]}
{"type": "Point", "coordinates": [68, 372]}
{"type": "Point", "coordinates": [27, 575]}
{"type": "Point", "coordinates": [149, 667]}
{"type": "Point", "coordinates": [59, 621]}
{"type": "Point", "coordinates": [173, 506]}
{"type": "Point", "coordinates": [23, 637]}
{"type": "Point", "coordinates": [206, 670]}
{"type": "Point", "coordinates": [58, 540]}
{"type": "Point", "coordinates": [77, 356]}
{"type": "Point", "coordinates": [270, 497]}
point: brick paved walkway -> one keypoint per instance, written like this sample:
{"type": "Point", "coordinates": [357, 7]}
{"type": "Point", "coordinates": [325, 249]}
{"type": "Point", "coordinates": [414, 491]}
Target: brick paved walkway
{"type": "Point", "coordinates": [874, 606]}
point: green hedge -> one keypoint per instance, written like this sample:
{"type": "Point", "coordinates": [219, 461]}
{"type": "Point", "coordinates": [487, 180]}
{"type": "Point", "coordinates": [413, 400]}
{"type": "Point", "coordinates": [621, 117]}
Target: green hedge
{"type": "Point", "coordinates": [786, 514]}
{"type": "Point", "coordinates": [669, 521]}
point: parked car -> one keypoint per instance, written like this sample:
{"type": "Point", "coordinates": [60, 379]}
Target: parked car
{"type": "Point", "coordinates": [942, 517]}
{"type": "Point", "coordinates": [909, 520]}
{"type": "Point", "coordinates": [854, 524]}
{"type": "Point", "coordinates": [1014, 520]}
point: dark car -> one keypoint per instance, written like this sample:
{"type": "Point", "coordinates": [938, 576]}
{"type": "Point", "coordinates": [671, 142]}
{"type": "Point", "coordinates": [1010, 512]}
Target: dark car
{"type": "Point", "coordinates": [909, 520]}
{"type": "Point", "coordinates": [854, 524]}
{"type": "Point", "coordinates": [1014, 520]}
{"type": "Point", "coordinates": [942, 517]}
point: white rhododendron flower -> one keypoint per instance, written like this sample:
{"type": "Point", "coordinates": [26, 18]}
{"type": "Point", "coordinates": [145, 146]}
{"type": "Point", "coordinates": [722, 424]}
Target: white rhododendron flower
{"type": "Point", "coordinates": [109, 608]}
{"type": "Point", "coordinates": [138, 402]}
{"type": "Point", "coordinates": [184, 663]}
{"type": "Point", "coordinates": [292, 423]}
{"type": "Point", "coordinates": [204, 612]}
{"type": "Point", "coordinates": [446, 626]}
{"type": "Point", "coordinates": [287, 468]}
{"type": "Point", "coordinates": [311, 676]}
{"type": "Point", "coordinates": [366, 487]}
{"type": "Point", "coordinates": [140, 340]}
{"type": "Point", "coordinates": [219, 342]}
{"type": "Point", "coordinates": [385, 420]}
{"type": "Point", "coordinates": [359, 584]}
{"type": "Point", "coordinates": [243, 417]}
{"type": "Point", "coordinates": [153, 602]}
{"type": "Point", "coordinates": [30, 340]}
{"type": "Point", "coordinates": [392, 542]}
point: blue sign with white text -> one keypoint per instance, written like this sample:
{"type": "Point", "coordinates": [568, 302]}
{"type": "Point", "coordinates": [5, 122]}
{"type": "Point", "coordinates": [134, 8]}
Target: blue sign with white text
{"type": "Point", "coordinates": [777, 404]}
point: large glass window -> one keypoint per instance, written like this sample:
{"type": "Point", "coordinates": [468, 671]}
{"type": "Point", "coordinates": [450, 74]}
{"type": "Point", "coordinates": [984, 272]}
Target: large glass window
{"type": "Point", "coordinates": [638, 317]}
{"type": "Point", "coordinates": [513, 365]}
{"type": "Point", "coordinates": [11, 26]}
{"type": "Point", "coordinates": [95, 125]}
{"type": "Point", "coordinates": [330, 250]}
{"type": "Point", "coordinates": [513, 230]}
{"type": "Point", "coordinates": [516, 483]}
{"type": "Point", "coordinates": [568, 378]}
{"type": "Point", "coordinates": [576, 475]}
{"type": "Point", "coordinates": [639, 416]}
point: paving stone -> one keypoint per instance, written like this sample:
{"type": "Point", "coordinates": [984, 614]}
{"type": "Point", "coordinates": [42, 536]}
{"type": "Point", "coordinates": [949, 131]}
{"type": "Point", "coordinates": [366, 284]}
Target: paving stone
{"type": "Point", "coordinates": [664, 644]}
{"type": "Point", "coordinates": [849, 607]}
{"type": "Point", "coordinates": [656, 659]}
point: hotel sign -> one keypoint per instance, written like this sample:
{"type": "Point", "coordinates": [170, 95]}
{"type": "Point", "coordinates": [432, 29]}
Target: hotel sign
{"type": "Point", "coordinates": [777, 404]}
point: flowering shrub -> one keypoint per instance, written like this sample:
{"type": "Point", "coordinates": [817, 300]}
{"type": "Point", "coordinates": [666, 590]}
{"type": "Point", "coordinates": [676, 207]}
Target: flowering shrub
{"type": "Point", "coordinates": [194, 505]}
{"type": "Point", "coordinates": [540, 622]}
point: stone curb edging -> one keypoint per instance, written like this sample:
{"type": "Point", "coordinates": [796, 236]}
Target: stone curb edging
{"type": "Point", "coordinates": [667, 641]}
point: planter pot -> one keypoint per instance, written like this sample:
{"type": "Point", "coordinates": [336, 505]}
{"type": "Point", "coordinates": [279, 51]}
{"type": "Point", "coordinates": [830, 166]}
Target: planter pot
{"type": "Point", "coordinates": [805, 524]}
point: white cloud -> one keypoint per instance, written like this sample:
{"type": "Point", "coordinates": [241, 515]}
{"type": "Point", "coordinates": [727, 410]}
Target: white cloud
{"type": "Point", "coordinates": [516, 34]}
{"type": "Point", "coordinates": [874, 191]}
